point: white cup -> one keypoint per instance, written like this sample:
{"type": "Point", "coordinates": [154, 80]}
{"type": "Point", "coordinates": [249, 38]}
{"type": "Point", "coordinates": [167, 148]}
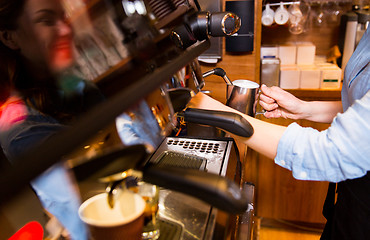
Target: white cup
{"type": "Point", "coordinates": [281, 16]}
{"type": "Point", "coordinates": [124, 221]}
{"type": "Point", "coordinates": [268, 16]}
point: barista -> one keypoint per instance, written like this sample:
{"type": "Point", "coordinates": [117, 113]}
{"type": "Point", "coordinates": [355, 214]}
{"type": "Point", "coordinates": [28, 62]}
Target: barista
{"type": "Point", "coordinates": [339, 154]}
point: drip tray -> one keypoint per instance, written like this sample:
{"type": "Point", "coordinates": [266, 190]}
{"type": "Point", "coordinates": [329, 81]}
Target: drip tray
{"type": "Point", "coordinates": [178, 159]}
{"type": "Point", "coordinates": [169, 230]}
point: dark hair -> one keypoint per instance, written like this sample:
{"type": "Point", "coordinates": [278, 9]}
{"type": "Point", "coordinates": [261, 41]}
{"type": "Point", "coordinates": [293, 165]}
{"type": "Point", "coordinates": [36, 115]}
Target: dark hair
{"type": "Point", "coordinates": [10, 10]}
{"type": "Point", "coordinates": [13, 74]}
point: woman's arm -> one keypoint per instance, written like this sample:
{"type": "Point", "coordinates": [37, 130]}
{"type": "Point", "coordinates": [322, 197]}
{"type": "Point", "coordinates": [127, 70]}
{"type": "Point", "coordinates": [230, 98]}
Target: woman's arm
{"type": "Point", "coordinates": [266, 135]}
{"type": "Point", "coordinates": [322, 111]}
{"type": "Point", "coordinates": [341, 152]}
{"type": "Point", "coordinates": [280, 103]}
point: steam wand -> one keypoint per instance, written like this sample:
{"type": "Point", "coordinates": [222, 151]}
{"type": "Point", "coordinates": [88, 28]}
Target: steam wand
{"type": "Point", "coordinates": [219, 72]}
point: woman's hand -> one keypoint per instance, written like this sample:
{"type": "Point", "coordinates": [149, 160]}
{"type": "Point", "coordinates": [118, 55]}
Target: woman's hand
{"type": "Point", "coordinates": [280, 103]}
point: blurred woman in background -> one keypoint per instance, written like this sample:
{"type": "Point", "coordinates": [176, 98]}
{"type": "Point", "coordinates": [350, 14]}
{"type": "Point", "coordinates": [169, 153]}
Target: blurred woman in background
{"type": "Point", "coordinates": [35, 51]}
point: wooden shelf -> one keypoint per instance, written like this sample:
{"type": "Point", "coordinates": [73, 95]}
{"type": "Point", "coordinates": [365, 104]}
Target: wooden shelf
{"type": "Point", "coordinates": [317, 94]}
{"type": "Point", "coordinates": [114, 70]}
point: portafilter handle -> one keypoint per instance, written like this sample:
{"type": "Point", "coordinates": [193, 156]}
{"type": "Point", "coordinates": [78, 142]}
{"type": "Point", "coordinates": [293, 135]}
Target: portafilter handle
{"type": "Point", "coordinates": [117, 166]}
{"type": "Point", "coordinates": [213, 189]}
{"type": "Point", "coordinates": [228, 121]}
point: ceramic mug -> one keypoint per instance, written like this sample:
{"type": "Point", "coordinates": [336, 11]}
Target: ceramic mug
{"type": "Point", "coordinates": [124, 221]}
{"type": "Point", "coordinates": [267, 16]}
{"type": "Point", "coordinates": [281, 16]}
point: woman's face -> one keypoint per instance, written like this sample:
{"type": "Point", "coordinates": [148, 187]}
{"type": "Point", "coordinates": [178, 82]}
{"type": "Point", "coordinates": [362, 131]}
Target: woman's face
{"type": "Point", "coordinates": [44, 36]}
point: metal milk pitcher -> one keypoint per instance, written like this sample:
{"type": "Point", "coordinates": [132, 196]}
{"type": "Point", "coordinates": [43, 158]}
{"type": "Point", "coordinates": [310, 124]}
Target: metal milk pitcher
{"type": "Point", "coordinates": [242, 95]}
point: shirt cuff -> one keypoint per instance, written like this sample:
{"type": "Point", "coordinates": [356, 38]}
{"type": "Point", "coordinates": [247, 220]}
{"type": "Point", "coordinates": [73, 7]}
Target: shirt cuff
{"type": "Point", "coordinates": [286, 156]}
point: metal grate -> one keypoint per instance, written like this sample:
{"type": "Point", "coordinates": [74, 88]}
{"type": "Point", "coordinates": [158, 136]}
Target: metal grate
{"type": "Point", "coordinates": [169, 230]}
{"type": "Point", "coordinates": [178, 159]}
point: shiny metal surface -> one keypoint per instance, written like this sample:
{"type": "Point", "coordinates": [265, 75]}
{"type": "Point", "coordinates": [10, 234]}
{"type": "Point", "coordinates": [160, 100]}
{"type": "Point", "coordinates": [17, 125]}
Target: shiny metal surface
{"type": "Point", "coordinates": [196, 217]}
{"type": "Point", "coordinates": [237, 22]}
{"type": "Point", "coordinates": [215, 151]}
{"type": "Point", "coordinates": [192, 214]}
{"type": "Point", "coordinates": [243, 96]}
{"type": "Point", "coordinates": [245, 220]}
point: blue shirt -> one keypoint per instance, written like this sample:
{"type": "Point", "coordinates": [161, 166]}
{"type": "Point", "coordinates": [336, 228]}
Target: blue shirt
{"type": "Point", "coordinates": [343, 150]}
{"type": "Point", "coordinates": [139, 126]}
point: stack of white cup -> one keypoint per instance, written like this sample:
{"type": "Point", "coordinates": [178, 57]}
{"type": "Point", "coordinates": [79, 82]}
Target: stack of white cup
{"type": "Point", "coordinates": [280, 16]}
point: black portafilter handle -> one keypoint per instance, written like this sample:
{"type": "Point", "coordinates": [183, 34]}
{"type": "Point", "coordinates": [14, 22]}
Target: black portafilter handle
{"type": "Point", "coordinates": [228, 121]}
{"type": "Point", "coordinates": [213, 189]}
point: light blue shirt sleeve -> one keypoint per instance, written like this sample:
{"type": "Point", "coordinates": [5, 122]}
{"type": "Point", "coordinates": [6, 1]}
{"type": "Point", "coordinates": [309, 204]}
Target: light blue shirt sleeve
{"type": "Point", "coordinates": [338, 153]}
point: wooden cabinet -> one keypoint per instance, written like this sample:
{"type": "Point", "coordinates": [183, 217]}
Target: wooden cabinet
{"type": "Point", "coordinates": [280, 196]}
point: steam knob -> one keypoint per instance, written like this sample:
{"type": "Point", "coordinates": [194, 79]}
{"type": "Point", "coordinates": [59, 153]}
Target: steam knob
{"type": "Point", "coordinates": [200, 26]}
{"type": "Point", "coordinates": [223, 24]}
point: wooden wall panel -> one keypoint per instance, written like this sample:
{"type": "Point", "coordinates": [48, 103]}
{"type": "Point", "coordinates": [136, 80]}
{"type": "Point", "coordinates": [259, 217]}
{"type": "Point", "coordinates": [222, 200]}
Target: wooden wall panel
{"type": "Point", "coordinates": [280, 196]}
{"type": "Point", "coordinates": [283, 197]}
